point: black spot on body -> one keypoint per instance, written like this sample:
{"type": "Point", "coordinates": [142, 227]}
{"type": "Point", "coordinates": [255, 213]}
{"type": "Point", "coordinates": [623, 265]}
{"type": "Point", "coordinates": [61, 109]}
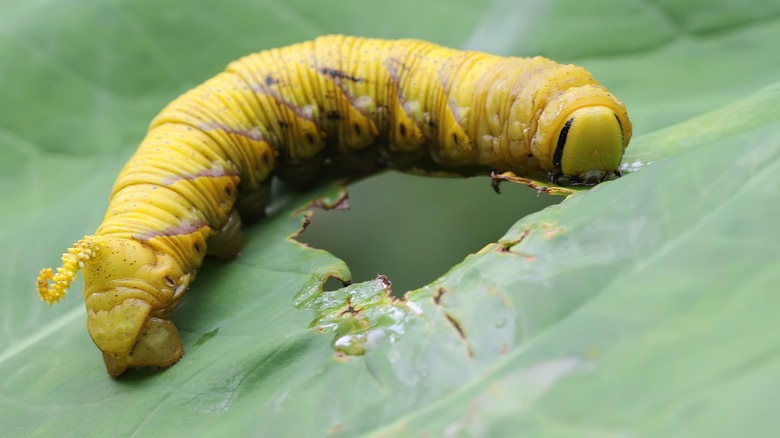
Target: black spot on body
{"type": "Point", "coordinates": [333, 115]}
{"type": "Point", "coordinates": [402, 129]}
{"type": "Point", "coordinates": [338, 74]}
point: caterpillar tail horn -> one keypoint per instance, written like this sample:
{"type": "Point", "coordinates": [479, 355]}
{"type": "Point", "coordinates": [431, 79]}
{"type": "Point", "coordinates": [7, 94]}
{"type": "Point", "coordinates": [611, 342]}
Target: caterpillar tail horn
{"type": "Point", "coordinates": [121, 318]}
{"type": "Point", "coordinates": [53, 287]}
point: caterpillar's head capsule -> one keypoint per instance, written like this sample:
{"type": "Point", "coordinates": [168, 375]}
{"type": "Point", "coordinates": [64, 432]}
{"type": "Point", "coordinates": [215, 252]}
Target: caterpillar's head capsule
{"type": "Point", "coordinates": [581, 135]}
{"type": "Point", "coordinates": [589, 146]}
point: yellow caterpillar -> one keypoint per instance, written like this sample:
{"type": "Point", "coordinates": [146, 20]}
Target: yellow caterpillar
{"type": "Point", "coordinates": [208, 157]}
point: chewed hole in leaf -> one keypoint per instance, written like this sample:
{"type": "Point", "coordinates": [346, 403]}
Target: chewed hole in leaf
{"type": "Point", "coordinates": [413, 229]}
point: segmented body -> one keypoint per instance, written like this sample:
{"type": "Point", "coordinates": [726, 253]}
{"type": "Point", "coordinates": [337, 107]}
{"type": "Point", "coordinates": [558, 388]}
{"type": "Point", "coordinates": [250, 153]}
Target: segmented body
{"type": "Point", "coordinates": [212, 152]}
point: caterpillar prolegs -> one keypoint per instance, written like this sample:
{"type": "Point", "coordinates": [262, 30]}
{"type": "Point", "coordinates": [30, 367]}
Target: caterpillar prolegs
{"type": "Point", "coordinates": [208, 157]}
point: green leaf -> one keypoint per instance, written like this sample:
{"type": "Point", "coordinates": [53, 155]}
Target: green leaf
{"type": "Point", "coordinates": [642, 307]}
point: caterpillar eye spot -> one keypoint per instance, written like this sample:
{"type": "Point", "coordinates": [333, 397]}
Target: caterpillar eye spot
{"type": "Point", "coordinates": [302, 113]}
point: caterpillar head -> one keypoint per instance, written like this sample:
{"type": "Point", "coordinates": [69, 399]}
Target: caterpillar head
{"type": "Point", "coordinates": [586, 133]}
{"type": "Point", "coordinates": [128, 289]}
